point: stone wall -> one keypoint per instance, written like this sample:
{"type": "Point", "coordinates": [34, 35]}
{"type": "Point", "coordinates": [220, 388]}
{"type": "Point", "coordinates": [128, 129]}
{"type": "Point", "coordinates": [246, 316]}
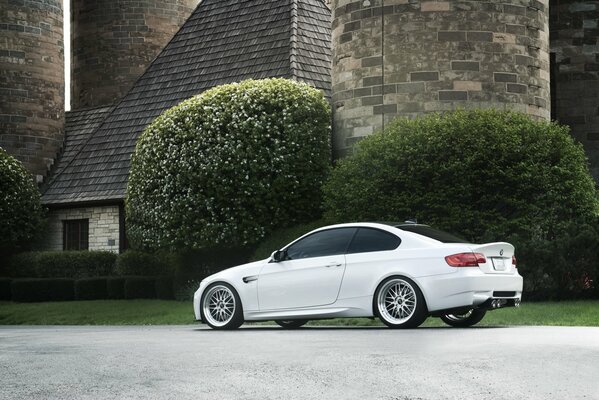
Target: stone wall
{"type": "Point", "coordinates": [409, 57]}
{"type": "Point", "coordinates": [114, 41]}
{"type": "Point", "coordinates": [32, 82]}
{"type": "Point", "coordinates": [574, 41]}
{"type": "Point", "coordinates": [103, 227]}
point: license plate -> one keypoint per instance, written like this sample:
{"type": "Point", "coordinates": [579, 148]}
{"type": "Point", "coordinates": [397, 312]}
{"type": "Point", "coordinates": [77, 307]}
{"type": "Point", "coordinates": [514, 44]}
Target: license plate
{"type": "Point", "coordinates": [498, 264]}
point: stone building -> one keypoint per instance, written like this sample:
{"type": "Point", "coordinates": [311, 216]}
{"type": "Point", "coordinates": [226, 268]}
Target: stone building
{"type": "Point", "coordinates": [374, 59]}
{"type": "Point", "coordinates": [405, 58]}
{"type": "Point", "coordinates": [32, 82]}
{"type": "Point", "coordinates": [575, 82]}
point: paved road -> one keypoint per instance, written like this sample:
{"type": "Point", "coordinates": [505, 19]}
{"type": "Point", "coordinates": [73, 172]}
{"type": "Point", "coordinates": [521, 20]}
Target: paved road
{"type": "Point", "coordinates": [185, 362]}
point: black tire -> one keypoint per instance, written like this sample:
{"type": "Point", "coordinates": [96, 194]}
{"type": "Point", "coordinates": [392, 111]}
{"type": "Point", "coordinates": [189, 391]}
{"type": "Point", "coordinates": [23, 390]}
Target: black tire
{"type": "Point", "coordinates": [232, 321]}
{"type": "Point", "coordinates": [418, 313]}
{"type": "Point", "coordinates": [472, 317]}
{"type": "Point", "coordinates": [291, 324]}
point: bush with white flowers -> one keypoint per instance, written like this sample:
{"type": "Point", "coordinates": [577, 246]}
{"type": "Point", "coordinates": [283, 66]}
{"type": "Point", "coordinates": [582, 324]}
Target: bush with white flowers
{"type": "Point", "coordinates": [227, 166]}
{"type": "Point", "coordinates": [21, 212]}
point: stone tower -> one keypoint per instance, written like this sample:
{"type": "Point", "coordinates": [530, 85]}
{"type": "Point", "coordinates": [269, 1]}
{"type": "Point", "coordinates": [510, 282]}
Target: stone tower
{"type": "Point", "coordinates": [575, 54]}
{"type": "Point", "coordinates": [114, 41]}
{"type": "Point", "coordinates": [32, 82]}
{"type": "Point", "coordinates": [409, 57]}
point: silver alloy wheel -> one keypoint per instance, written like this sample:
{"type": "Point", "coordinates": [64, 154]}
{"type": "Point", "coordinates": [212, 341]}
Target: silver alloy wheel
{"type": "Point", "coordinates": [459, 317]}
{"type": "Point", "coordinates": [219, 305]}
{"type": "Point", "coordinates": [397, 301]}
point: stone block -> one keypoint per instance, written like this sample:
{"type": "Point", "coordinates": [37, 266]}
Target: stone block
{"type": "Point", "coordinates": [434, 6]}
{"type": "Point", "coordinates": [450, 95]}
{"type": "Point", "coordinates": [467, 85]}
{"type": "Point", "coordinates": [465, 65]}
{"type": "Point", "coordinates": [424, 76]}
{"type": "Point", "coordinates": [474, 36]}
{"type": "Point", "coordinates": [451, 36]}
{"type": "Point", "coordinates": [517, 88]}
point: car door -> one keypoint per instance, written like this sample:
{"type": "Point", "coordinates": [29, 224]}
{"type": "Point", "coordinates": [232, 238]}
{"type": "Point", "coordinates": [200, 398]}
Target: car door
{"type": "Point", "coordinates": [310, 276]}
{"type": "Point", "coordinates": [370, 250]}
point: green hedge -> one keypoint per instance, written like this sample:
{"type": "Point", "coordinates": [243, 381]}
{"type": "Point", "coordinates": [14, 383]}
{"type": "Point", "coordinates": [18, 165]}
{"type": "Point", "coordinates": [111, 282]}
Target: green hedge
{"type": "Point", "coordinates": [115, 288]}
{"type": "Point", "coordinates": [21, 212]}
{"type": "Point", "coordinates": [63, 264]}
{"type": "Point", "coordinates": [224, 168]}
{"type": "Point", "coordinates": [140, 287]}
{"type": "Point", "coordinates": [165, 289]}
{"type": "Point", "coordinates": [91, 289]}
{"type": "Point", "coordinates": [140, 263]}
{"type": "Point", "coordinates": [5, 294]}
{"type": "Point", "coordinates": [37, 290]}
{"type": "Point", "coordinates": [484, 174]}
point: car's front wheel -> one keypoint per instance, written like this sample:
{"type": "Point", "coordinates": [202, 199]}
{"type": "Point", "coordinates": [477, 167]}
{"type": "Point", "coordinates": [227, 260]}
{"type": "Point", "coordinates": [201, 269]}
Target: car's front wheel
{"type": "Point", "coordinates": [469, 318]}
{"type": "Point", "coordinates": [221, 307]}
{"type": "Point", "coordinates": [291, 324]}
{"type": "Point", "coordinates": [399, 303]}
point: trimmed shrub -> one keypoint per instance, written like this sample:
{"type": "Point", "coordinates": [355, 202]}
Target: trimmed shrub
{"type": "Point", "coordinates": [224, 168]}
{"type": "Point", "coordinates": [21, 211]}
{"type": "Point", "coordinates": [566, 267]}
{"type": "Point", "coordinates": [91, 289]}
{"type": "Point", "coordinates": [484, 174]}
{"type": "Point", "coordinates": [63, 264]}
{"type": "Point", "coordinates": [115, 288]}
{"type": "Point", "coordinates": [5, 289]}
{"type": "Point", "coordinates": [140, 263]}
{"type": "Point", "coordinates": [140, 287]}
{"type": "Point", "coordinates": [281, 237]}
{"type": "Point", "coordinates": [165, 288]}
{"type": "Point", "coordinates": [36, 290]}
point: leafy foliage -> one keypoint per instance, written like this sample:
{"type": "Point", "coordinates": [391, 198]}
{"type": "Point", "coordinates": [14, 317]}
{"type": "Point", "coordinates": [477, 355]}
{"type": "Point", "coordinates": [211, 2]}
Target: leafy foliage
{"type": "Point", "coordinates": [226, 167]}
{"type": "Point", "coordinates": [63, 264]}
{"type": "Point", "coordinates": [21, 211]}
{"type": "Point", "coordinates": [485, 174]}
{"type": "Point", "coordinates": [133, 262]}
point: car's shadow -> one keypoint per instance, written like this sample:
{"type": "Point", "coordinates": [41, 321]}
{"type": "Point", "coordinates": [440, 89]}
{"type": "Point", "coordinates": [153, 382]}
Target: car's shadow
{"type": "Point", "coordinates": [250, 328]}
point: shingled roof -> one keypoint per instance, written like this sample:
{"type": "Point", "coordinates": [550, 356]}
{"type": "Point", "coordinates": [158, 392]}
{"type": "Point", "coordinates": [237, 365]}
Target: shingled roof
{"type": "Point", "coordinates": [223, 41]}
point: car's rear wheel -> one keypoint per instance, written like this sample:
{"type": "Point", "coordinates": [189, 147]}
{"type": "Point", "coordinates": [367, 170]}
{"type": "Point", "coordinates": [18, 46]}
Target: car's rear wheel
{"type": "Point", "coordinates": [469, 318]}
{"type": "Point", "coordinates": [291, 324]}
{"type": "Point", "coordinates": [221, 307]}
{"type": "Point", "coordinates": [399, 303]}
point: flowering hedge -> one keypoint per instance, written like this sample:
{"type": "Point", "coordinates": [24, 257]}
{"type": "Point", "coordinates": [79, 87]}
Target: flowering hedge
{"type": "Point", "coordinates": [225, 167]}
{"type": "Point", "coordinates": [20, 209]}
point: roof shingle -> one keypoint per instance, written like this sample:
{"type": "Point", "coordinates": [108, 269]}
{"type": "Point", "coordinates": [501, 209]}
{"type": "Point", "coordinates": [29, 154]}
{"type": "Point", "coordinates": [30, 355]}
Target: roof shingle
{"type": "Point", "coordinates": [223, 41]}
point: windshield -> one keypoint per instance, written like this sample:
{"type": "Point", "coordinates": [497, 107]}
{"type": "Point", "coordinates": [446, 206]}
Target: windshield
{"type": "Point", "coordinates": [432, 233]}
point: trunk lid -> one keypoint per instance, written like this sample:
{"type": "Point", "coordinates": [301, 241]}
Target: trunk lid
{"type": "Point", "coordinates": [498, 256]}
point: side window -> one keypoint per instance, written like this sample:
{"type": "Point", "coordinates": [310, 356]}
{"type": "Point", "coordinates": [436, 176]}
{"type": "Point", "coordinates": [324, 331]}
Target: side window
{"type": "Point", "coordinates": [320, 244]}
{"type": "Point", "coordinates": [369, 239]}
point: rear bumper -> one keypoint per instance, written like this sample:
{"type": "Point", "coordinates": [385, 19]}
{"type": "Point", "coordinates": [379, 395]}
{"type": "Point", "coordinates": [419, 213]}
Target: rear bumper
{"type": "Point", "coordinates": [471, 288]}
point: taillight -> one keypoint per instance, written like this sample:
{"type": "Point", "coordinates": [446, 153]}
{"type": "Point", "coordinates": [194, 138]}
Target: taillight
{"type": "Point", "coordinates": [514, 261]}
{"type": "Point", "coordinates": [466, 259]}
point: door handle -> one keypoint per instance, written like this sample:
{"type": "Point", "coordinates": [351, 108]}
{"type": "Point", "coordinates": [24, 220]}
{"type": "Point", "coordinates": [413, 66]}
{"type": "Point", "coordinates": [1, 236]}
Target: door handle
{"type": "Point", "coordinates": [334, 264]}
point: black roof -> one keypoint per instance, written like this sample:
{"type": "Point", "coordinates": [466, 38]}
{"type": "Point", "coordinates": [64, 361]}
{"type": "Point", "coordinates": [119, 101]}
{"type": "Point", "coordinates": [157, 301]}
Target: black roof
{"type": "Point", "coordinates": [223, 41]}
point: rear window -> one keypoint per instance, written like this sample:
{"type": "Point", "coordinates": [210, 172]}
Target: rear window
{"type": "Point", "coordinates": [433, 233]}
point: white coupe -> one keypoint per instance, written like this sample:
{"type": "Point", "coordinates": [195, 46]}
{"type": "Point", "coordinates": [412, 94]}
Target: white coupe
{"type": "Point", "coordinates": [400, 273]}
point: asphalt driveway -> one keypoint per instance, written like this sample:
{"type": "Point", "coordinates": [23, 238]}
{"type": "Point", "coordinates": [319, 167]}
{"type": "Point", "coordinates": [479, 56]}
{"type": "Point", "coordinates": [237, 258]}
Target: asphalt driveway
{"type": "Point", "coordinates": [185, 362]}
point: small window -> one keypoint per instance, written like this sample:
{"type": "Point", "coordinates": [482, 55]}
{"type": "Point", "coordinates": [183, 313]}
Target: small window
{"type": "Point", "coordinates": [369, 239]}
{"type": "Point", "coordinates": [432, 233]}
{"type": "Point", "coordinates": [321, 244]}
{"type": "Point", "coordinates": [75, 234]}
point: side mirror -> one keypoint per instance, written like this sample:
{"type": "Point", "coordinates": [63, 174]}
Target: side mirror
{"type": "Point", "coordinates": [278, 256]}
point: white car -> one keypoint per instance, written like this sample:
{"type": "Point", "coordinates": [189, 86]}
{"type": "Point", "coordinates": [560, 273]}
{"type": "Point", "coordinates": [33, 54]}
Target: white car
{"type": "Point", "coordinates": [400, 273]}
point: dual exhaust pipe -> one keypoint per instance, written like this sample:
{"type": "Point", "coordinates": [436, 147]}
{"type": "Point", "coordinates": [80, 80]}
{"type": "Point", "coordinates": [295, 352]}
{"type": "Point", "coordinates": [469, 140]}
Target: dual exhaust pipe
{"type": "Point", "coordinates": [498, 303]}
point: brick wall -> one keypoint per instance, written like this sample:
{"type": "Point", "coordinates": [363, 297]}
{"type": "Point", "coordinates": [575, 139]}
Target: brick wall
{"type": "Point", "coordinates": [574, 40]}
{"type": "Point", "coordinates": [409, 57]}
{"type": "Point", "coordinates": [32, 82]}
{"type": "Point", "coordinates": [103, 227]}
{"type": "Point", "coordinates": [114, 41]}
